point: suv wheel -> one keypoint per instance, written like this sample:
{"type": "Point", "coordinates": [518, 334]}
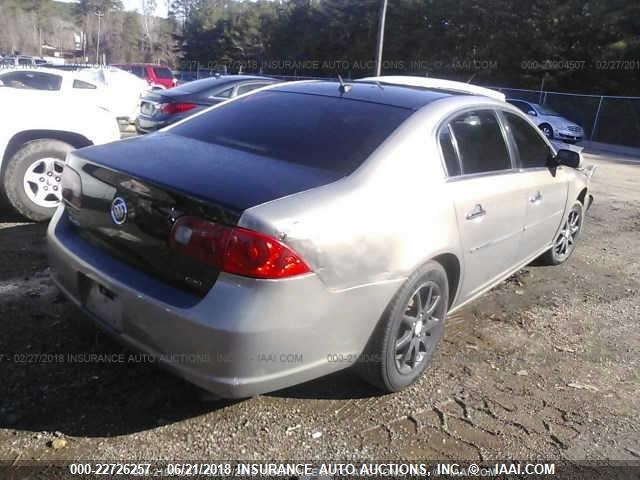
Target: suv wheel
{"type": "Point", "coordinates": [33, 178]}
{"type": "Point", "coordinates": [406, 337]}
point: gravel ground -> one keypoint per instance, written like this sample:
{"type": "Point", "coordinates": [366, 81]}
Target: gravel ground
{"type": "Point", "coordinates": [543, 366]}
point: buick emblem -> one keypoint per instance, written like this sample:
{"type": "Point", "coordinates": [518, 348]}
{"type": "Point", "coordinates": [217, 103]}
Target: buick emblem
{"type": "Point", "coordinates": [119, 211]}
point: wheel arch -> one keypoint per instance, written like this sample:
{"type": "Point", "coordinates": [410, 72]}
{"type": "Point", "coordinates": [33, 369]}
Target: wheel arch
{"type": "Point", "coordinates": [451, 265]}
{"type": "Point", "coordinates": [20, 139]}
{"type": "Point", "coordinates": [582, 196]}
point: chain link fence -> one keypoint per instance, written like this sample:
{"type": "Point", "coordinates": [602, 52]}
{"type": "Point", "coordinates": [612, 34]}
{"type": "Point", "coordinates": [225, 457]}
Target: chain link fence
{"type": "Point", "coordinates": [605, 119]}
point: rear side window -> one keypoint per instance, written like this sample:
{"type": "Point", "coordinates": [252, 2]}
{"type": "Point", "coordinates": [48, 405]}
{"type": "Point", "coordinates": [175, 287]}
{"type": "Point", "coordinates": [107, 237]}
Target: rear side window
{"type": "Point", "coordinates": [480, 142]}
{"type": "Point", "coordinates": [139, 71]}
{"type": "Point", "coordinates": [32, 80]}
{"type": "Point", "coordinates": [247, 87]}
{"type": "Point", "coordinates": [225, 93]}
{"type": "Point", "coordinates": [163, 72]}
{"type": "Point", "coordinates": [532, 149]}
{"type": "Point", "coordinates": [449, 152]}
{"type": "Point", "coordinates": [329, 133]}
{"type": "Point", "coordinates": [83, 85]}
{"type": "Point", "coordinates": [520, 105]}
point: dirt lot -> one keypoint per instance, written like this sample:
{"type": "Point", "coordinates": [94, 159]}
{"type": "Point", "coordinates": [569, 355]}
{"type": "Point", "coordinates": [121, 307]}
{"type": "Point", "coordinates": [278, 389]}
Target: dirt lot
{"type": "Point", "coordinates": [544, 366]}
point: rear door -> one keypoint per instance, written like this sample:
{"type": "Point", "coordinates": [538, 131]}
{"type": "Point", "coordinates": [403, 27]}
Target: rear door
{"type": "Point", "coordinates": [547, 185]}
{"type": "Point", "coordinates": [487, 192]}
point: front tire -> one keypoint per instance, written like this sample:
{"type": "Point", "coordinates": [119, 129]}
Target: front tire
{"type": "Point", "coordinates": [33, 178]}
{"type": "Point", "coordinates": [406, 336]}
{"type": "Point", "coordinates": [564, 243]}
{"type": "Point", "coordinates": [547, 130]}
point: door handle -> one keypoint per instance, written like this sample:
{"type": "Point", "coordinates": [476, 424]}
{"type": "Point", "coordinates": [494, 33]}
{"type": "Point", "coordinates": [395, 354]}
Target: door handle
{"type": "Point", "coordinates": [477, 212]}
{"type": "Point", "coordinates": [537, 198]}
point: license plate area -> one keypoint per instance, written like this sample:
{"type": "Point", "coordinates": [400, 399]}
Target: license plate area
{"type": "Point", "coordinates": [103, 303]}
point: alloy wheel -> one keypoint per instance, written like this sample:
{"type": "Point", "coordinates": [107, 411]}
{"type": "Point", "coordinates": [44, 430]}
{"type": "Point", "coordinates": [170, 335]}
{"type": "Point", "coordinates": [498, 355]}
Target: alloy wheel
{"type": "Point", "coordinates": [416, 337]}
{"type": "Point", "coordinates": [566, 239]}
{"type": "Point", "coordinates": [547, 132]}
{"type": "Point", "coordinates": [43, 182]}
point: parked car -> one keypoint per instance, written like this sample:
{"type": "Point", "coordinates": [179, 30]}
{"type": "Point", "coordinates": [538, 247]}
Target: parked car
{"type": "Point", "coordinates": [108, 87]}
{"type": "Point", "coordinates": [18, 61]}
{"type": "Point", "coordinates": [158, 76]}
{"type": "Point", "coordinates": [122, 90]}
{"type": "Point", "coordinates": [161, 108]}
{"type": "Point", "coordinates": [552, 124]}
{"type": "Point", "coordinates": [291, 233]}
{"type": "Point", "coordinates": [37, 130]}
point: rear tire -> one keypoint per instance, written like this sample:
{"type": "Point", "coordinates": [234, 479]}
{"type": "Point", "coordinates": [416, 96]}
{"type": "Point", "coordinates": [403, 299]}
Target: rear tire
{"type": "Point", "coordinates": [406, 336]}
{"type": "Point", "coordinates": [37, 166]}
{"type": "Point", "coordinates": [564, 243]}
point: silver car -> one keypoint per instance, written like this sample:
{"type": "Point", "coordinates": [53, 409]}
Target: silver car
{"type": "Point", "coordinates": [310, 227]}
{"type": "Point", "coordinates": [552, 124]}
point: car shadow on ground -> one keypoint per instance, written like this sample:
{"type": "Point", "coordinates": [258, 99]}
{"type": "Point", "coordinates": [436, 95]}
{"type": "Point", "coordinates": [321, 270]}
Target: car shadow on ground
{"type": "Point", "coordinates": [60, 375]}
{"type": "Point", "coordinates": [342, 385]}
{"type": "Point", "coordinates": [8, 214]}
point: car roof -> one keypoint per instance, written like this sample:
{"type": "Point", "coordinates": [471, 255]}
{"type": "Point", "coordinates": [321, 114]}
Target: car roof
{"type": "Point", "coordinates": [402, 96]}
{"type": "Point", "coordinates": [437, 84]}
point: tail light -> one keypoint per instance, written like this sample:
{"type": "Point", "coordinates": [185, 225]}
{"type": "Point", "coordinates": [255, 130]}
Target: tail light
{"type": "Point", "coordinates": [173, 108]}
{"type": "Point", "coordinates": [235, 250]}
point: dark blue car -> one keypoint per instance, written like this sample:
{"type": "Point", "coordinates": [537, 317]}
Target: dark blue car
{"type": "Point", "coordinates": [160, 108]}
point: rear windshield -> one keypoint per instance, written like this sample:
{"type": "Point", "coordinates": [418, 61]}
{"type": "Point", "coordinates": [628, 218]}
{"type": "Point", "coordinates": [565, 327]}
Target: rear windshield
{"type": "Point", "coordinates": [163, 72]}
{"type": "Point", "coordinates": [329, 133]}
{"type": "Point", "coordinates": [201, 85]}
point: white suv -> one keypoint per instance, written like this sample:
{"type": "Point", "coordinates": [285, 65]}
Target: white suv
{"type": "Point", "coordinates": [37, 130]}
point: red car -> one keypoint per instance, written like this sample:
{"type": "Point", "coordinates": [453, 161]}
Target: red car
{"type": "Point", "coordinates": [157, 75]}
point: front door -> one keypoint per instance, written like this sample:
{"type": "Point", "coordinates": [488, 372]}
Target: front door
{"type": "Point", "coordinates": [547, 185]}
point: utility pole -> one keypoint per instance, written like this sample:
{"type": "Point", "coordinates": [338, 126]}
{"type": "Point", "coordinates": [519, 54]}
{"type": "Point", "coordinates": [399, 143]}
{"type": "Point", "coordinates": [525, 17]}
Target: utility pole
{"type": "Point", "coordinates": [99, 14]}
{"type": "Point", "coordinates": [382, 17]}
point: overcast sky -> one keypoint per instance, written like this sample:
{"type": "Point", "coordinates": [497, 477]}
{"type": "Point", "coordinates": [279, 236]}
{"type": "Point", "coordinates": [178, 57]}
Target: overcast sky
{"type": "Point", "coordinates": [161, 10]}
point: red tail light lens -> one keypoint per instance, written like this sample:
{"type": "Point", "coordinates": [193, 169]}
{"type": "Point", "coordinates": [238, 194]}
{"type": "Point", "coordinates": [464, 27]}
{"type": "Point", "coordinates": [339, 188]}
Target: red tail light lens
{"type": "Point", "coordinates": [235, 250]}
{"type": "Point", "coordinates": [204, 241]}
{"type": "Point", "coordinates": [173, 108]}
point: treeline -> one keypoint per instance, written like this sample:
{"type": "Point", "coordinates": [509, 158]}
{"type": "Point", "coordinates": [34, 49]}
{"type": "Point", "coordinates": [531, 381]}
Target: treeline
{"type": "Point", "coordinates": [124, 36]}
{"type": "Point", "coordinates": [569, 45]}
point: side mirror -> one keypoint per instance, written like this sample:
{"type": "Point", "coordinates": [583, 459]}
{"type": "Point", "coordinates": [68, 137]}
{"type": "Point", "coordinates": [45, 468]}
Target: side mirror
{"type": "Point", "coordinates": [569, 158]}
{"type": "Point", "coordinates": [533, 113]}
